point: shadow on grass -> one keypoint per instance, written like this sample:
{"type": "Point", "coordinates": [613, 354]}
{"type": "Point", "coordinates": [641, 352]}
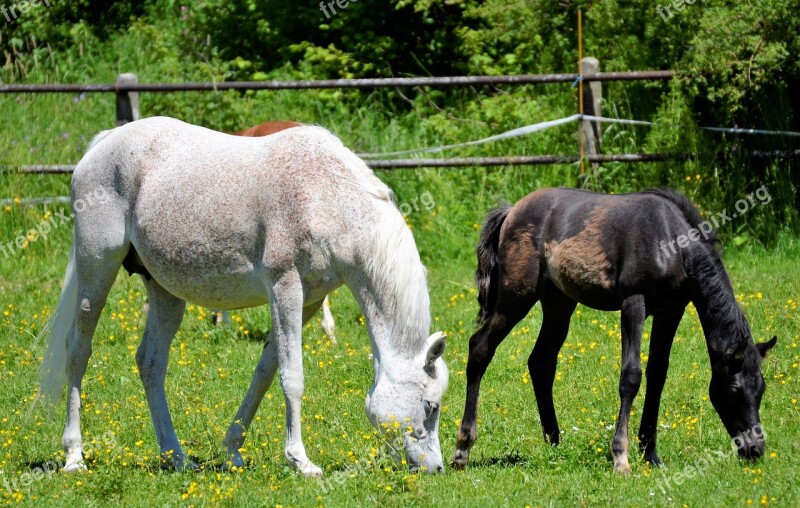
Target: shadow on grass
{"type": "Point", "coordinates": [510, 459]}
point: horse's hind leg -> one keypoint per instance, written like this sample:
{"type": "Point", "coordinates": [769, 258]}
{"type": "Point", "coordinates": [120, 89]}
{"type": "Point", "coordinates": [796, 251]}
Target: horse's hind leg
{"type": "Point", "coordinates": [98, 256]}
{"type": "Point", "coordinates": [328, 324]}
{"type": "Point", "coordinates": [664, 328]}
{"type": "Point", "coordinates": [163, 321]}
{"type": "Point", "coordinates": [262, 379]}
{"type": "Point", "coordinates": [513, 303]}
{"type": "Point", "coordinates": [557, 310]}
{"type": "Point", "coordinates": [633, 316]}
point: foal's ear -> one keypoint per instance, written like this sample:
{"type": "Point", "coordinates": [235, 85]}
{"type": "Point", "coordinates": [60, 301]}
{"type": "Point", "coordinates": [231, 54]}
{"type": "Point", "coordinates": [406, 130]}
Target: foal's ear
{"type": "Point", "coordinates": [764, 347]}
{"type": "Point", "coordinates": [436, 345]}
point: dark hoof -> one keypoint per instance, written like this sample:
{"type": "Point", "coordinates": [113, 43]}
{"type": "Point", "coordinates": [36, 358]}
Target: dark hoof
{"type": "Point", "coordinates": [553, 439]}
{"type": "Point", "coordinates": [653, 460]}
{"type": "Point", "coordinates": [460, 460]}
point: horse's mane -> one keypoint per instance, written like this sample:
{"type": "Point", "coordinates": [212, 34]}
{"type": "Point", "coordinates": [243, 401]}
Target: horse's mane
{"type": "Point", "coordinates": [393, 261]}
{"type": "Point", "coordinates": [689, 211]}
{"type": "Point", "coordinates": [709, 272]}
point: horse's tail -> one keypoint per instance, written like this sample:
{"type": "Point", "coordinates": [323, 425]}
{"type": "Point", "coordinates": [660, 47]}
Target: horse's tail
{"type": "Point", "coordinates": [487, 273]}
{"type": "Point", "coordinates": [53, 369]}
{"type": "Point", "coordinates": [689, 211]}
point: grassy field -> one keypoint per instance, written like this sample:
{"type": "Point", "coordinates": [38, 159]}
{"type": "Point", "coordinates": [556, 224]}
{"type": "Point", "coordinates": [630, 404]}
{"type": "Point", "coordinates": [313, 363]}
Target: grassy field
{"type": "Point", "coordinates": [211, 366]}
{"type": "Point", "coordinates": [511, 465]}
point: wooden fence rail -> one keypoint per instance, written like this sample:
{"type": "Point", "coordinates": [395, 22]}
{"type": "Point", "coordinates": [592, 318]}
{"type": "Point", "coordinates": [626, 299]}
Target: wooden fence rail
{"type": "Point", "coordinates": [127, 89]}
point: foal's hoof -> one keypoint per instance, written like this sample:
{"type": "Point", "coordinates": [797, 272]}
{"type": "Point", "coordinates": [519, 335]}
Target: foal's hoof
{"type": "Point", "coordinates": [653, 460]}
{"type": "Point", "coordinates": [179, 464]}
{"type": "Point", "coordinates": [622, 468]}
{"type": "Point", "coordinates": [234, 461]}
{"type": "Point", "coordinates": [460, 460]}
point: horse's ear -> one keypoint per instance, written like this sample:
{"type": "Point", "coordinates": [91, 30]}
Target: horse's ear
{"type": "Point", "coordinates": [436, 345]}
{"type": "Point", "coordinates": [764, 347]}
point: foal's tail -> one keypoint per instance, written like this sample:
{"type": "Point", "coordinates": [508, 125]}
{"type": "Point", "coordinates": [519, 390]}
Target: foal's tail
{"type": "Point", "coordinates": [53, 369]}
{"type": "Point", "coordinates": [487, 272]}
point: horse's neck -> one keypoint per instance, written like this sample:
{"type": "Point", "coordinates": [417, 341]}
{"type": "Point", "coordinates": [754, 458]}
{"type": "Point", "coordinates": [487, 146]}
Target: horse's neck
{"type": "Point", "coordinates": [393, 295]}
{"type": "Point", "coordinates": [395, 327]}
{"type": "Point", "coordinates": [712, 294]}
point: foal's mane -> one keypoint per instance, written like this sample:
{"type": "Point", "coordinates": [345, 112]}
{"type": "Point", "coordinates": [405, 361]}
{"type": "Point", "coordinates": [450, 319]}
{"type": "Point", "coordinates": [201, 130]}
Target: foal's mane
{"type": "Point", "coordinates": [731, 330]}
{"type": "Point", "coordinates": [689, 211]}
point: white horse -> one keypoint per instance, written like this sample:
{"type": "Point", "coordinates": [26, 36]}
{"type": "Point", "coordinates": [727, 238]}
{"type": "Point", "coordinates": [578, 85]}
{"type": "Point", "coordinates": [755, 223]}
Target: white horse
{"type": "Point", "coordinates": [230, 222]}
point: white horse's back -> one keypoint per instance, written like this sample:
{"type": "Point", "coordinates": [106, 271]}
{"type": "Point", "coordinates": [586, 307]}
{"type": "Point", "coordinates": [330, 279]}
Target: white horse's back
{"type": "Point", "coordinates": [208, 212]}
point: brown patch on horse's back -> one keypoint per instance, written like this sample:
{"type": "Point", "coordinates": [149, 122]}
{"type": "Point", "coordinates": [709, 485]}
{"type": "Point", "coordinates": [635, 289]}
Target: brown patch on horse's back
{"type": "Point", "coordinates": [581, 261]}
{"type": "Point", "coordinates": [520, 260]}
{"type": "Point", "coordinates": [267, 128]}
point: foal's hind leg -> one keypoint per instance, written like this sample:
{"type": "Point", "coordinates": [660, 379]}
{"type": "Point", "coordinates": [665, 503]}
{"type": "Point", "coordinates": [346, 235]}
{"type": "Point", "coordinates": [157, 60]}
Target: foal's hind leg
{"type": "Point", "coordinates": [557, 310]}
{"type": "Point", "coordinates": [163, 320]}
{"type": "Point", "coordinates": [95, 276]}
{"type": "Point", "coordinates": [664, 328]}
{"type": "Point", "coordinates": [510, 309]}
{"type": "Point", "coordinates": [633, 316]}
{"type": "Point", "coordinates": [262, 379]}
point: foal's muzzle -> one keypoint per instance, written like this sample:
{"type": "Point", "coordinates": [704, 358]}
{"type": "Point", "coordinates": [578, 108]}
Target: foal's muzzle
{"type": "Point", "coordinates": [752, 450]}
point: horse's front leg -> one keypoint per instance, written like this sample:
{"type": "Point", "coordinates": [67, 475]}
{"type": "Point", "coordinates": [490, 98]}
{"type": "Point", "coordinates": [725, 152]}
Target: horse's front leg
{"type": "Point", "coordinates": [163, 320]}
{"type": "Point", "coordinates": [633, 315]}
{"type": "Point", "coordinates": [482, 347]}
{"type": "Point", "coordinates": [286, 300]}
{"type": "Point", "coordinates": [262, 379]}
{"type": "Point", "coordinates": [664, 328]}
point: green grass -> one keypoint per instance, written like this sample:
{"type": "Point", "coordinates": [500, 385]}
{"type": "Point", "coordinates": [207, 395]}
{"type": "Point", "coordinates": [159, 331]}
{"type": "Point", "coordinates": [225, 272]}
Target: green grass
{"type": "Point", "coordinates": [211, 367]}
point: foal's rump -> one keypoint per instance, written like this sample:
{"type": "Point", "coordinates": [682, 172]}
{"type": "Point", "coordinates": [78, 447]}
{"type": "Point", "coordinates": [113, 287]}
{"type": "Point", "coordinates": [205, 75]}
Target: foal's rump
{"type": "Point", "coordinates": [597, 248]}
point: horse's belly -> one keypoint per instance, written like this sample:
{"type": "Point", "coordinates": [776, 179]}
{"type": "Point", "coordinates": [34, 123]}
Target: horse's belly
{"type": "Point", "coordinates": [213, 270]}
{"type": "Point", "coordinates": [240, 289]}
{"type": "Point", "coordinates": [583, 274]}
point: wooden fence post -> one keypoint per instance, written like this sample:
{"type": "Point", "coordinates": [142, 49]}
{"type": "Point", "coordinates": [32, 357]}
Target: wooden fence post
{"type": "Point", "coordinates": [127, 102]}
{"type": "Point", "coordinates": [592, 93]}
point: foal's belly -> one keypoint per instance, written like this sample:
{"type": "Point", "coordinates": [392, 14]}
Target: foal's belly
{"type": "Point", "coordinates": [582, 272]}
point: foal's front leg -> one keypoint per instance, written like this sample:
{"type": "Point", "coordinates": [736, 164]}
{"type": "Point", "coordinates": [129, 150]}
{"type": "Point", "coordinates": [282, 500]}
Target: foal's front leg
{"type": "Point", "coordinates": [633, 315]}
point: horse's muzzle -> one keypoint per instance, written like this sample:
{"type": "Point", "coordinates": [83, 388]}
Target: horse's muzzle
{"type": "Point", "coordinates": [752, 449]}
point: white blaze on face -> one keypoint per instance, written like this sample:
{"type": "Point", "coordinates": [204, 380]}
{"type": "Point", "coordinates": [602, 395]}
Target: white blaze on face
{"type": "Point", "coordinates": [405, 401]}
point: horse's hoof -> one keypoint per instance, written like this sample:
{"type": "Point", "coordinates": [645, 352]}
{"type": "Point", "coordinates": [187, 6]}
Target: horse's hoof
{"type": "Point", "coordinates": [653, 460]}
{"type": "Point", "coordinates": [75, 466]}
{"type": "Point", "coordinates": [622, 469]}
{"type": "Point", "coordinates": [460, 461]}
{"type": "Point", "coordinates": [235, 460]}
{"type": "Point", "coordinates": [311, 471]}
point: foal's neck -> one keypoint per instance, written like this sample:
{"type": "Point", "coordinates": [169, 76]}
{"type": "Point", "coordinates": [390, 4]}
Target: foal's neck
{"type": "Point", "coordinates": [723, 322]}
